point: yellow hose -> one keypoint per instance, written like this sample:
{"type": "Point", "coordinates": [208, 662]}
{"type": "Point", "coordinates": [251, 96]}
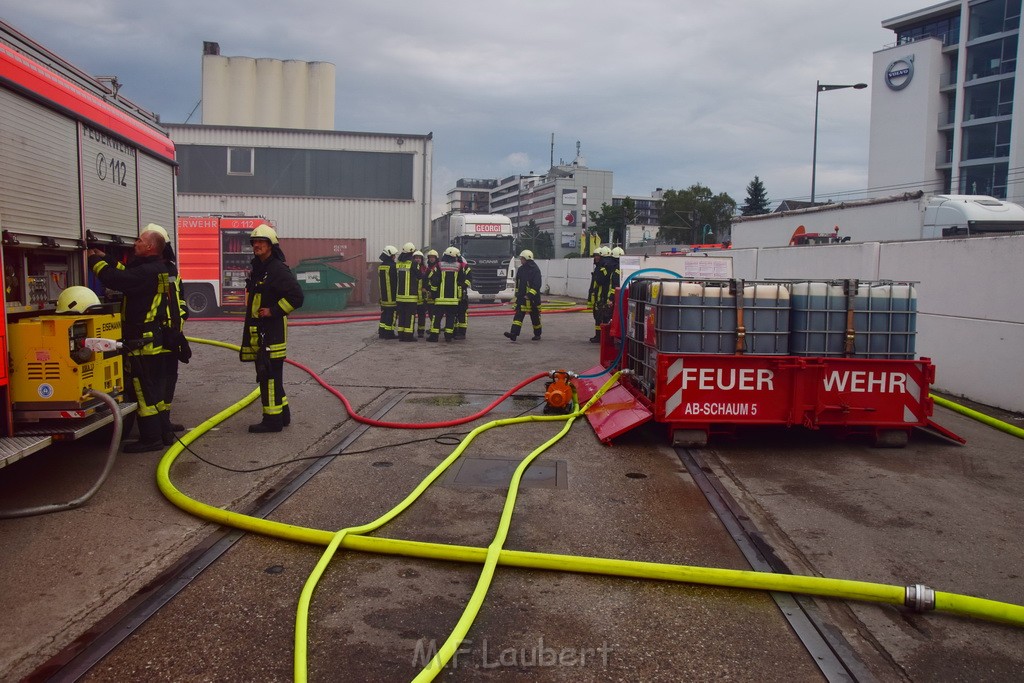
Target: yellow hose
{"type": "Point", "coordinates": [980, 417]}
{"type": "Point", "coordinates": [952, 603]}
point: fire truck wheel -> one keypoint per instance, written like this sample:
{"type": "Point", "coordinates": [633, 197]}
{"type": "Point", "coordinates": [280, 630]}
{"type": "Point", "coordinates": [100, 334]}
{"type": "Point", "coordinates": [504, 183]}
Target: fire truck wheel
{"type": "Point", "coordinates": [200, 300]}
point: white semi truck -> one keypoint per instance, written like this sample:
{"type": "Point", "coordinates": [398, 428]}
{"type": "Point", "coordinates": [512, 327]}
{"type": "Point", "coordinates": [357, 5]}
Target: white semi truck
{"type": "Point", "coordinates": [487, 244]}
{"type": "Point", "coordinates": [911, 216]}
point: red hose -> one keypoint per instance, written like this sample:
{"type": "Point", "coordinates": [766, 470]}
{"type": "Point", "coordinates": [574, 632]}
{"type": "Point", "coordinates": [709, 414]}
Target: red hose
{"type": "Point", "coordinates": [408, 425]}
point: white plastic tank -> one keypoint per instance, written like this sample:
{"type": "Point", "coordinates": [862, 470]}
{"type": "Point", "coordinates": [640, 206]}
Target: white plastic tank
{"type": "Point", "coordinates": [817, 319]}
{"type": "Point", "coordinates": [766, 311]}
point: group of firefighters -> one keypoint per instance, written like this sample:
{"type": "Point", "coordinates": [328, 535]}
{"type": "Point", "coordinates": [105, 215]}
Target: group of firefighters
{"type": "Point", "coordinates": [417, 288]}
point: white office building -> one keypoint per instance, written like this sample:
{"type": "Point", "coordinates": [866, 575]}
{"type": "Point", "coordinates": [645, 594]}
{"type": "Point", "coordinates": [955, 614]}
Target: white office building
{"type": "Point", "coordinates": [947, 110]}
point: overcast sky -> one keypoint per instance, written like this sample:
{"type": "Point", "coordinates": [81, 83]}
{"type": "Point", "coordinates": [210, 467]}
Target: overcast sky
{"type": "Point", "coordinates": [661, 92]}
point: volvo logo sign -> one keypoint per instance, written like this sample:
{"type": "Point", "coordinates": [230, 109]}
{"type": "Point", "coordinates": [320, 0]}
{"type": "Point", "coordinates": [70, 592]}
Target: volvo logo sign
{"type": "Point", "coordinates": [899, 73]}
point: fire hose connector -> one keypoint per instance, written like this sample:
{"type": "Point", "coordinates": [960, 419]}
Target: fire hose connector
{"type": "Point", "coordinates": [920, 598]}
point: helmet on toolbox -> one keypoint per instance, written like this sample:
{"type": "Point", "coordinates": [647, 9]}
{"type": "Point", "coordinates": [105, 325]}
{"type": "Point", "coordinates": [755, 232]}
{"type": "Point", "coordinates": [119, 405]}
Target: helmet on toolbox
{"type": "Point", "coordinates": [526, 254]}
{"type": "Point", "coordinates": [263, 232]}
{"type": "Point", "coordinates": [389, 251]}
{"type": "Point", "coordinates": [77, 299]}
{"type": "Point", "coordinates": [408, 247]}
{"type": "Point", "coordinates": [618, 251]}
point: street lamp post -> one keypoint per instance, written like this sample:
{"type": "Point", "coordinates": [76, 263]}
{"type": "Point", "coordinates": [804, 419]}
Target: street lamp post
{"type": "Point", "coordinates": [820, 88]}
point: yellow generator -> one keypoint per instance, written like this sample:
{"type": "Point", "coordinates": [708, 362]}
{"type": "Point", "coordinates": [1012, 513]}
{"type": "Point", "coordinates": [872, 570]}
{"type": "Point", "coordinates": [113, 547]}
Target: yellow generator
{"type": "Point", "coordinates": [51, 368]}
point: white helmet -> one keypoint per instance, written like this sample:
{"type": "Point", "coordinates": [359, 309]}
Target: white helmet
{"type": "Point", "coordinates": [153, 227]}
{"type": "Point", "coordinates": [408, 247]}
{"type": "Point", "coordinates": [389, 251]}
{"type": "Point", "coordinates": [432, 252]}
{"type": "Point", "coordinates": [618, 251]}
{"type": "Point", "coordinates": [451, 251]}
{"type": "Point", "coordinates": [526, 254]}
{"type": "Point", "coordinates": [77, 299]}
{"type": "Point", "coordinates": [605, 251]}
{"type": "Point", "coordinates": [418, 253]}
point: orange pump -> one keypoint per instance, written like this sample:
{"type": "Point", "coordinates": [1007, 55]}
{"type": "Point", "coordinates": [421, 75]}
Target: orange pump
{"type": "Point", "coordinates": [558, 392]}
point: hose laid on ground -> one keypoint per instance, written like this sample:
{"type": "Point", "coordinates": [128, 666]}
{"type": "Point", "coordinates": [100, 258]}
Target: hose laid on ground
{"type": "Point", "coordinates": [843, 589]}
{"type": "Point", "coordinates": [980, 417]}
{"type": "Point", "coordinates": [918, 597]}
{"type": "Point", "coordinates": [115, 444]}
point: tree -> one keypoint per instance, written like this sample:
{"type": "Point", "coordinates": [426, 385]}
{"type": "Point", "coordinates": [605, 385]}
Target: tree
{"type": "Point", "coordinates": [540, 242]}
{"type": "Point", "coordinates": [695, 215]}
{"type": "Point", "coordinates": [610, 222]}
{"type": "Point", "coordinates": [757, 199]}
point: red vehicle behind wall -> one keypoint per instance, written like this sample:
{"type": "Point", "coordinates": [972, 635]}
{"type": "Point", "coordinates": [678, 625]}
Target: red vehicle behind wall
{"type": "Point", "coordinates": [213, 260]}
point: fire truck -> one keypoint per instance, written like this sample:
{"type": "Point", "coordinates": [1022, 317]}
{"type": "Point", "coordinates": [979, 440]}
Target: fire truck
{"type": "Point", "coordinates": [80, 167]}
{"type": "Point", "coordinates": [213, 259]}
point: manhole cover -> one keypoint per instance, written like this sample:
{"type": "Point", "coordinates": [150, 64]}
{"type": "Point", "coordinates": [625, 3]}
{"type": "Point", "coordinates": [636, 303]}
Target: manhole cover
{"type": "Point", "coordinates": [497, 473]}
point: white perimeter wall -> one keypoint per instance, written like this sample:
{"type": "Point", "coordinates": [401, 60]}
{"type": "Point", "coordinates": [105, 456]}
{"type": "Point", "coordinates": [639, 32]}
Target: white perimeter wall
{"type": "Point", "coordinates": [970, 299]}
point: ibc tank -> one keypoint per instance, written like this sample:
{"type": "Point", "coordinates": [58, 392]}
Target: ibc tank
{"type": "Point", "coordinates": [766, 309]}
{"type": "Point", "coordinates": [885, 321]}
{"type": "Point", "coordinates": [818, 319]}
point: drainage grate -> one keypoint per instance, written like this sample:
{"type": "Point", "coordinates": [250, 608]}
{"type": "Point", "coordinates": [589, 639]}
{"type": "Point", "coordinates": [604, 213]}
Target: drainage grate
{"type": "Point", "coordinates": [497, 473]}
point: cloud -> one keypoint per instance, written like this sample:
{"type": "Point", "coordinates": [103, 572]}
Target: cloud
{"type": "Point", "coordinates": [661, 93]}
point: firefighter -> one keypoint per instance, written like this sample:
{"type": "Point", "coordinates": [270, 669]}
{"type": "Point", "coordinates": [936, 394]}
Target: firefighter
{"type": "Point", "coordinates": [599, 278]}
{"type": "Point", "coordinates": [421, 299]}
{"type": "Point", "coordinates": [427, 312]}
{"type": "Point", "coordinates": [462, 314]}
{"type": "Point", "coordinates": [616, 275]}
{"type": "Point", "coordinates": [272, 293]}
{"type": "Point", "coordinates": [407, 292]}
{"type": "Point", "coordinates": [447, 281]}
{"type": "Point", "coordinates": [527, 296]}
{"type": "Point", "coordinates": [388, 280]}
{"type": "Point", "coordinates": [143, 281]}
{"type": "Point", "coordinates": [174, 348]}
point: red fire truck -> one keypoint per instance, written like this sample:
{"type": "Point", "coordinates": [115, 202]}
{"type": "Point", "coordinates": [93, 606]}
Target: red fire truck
{"type": "Point", "coordinates": [213, 259]}
{"type": "Point", "coordinates": [80, 167]}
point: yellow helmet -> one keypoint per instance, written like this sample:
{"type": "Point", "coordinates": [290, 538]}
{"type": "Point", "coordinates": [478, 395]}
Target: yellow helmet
{"type": "Point", "coordinates": [408, 247]}
{"type": "Point", "coordinates": [264, 232]}
{"type": "Point", "coordinates": [618, 251]}
{"type": "Point", "coordinates": [605, 251]}
{"type": "Point", "coordinates": [526, 254]}
{"type": "Point", "coordinates": [432, 252]}
{"type": "Point", "coordinates": [77, 299]}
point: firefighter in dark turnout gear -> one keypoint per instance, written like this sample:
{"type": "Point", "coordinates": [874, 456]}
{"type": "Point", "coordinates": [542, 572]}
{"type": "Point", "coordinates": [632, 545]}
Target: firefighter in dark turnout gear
{"type": "Point", "coordinates": [387, 279]}
{"type": "Point", "coordinates": [527, 296]}
{"type": "Point", "coordinates": [447, 281]}
{"type": "Point", "coordinates": [407, 292]}
{"type": "Point", "coordinates": [143, 281]}
{"type": "Point", "coordinates": [174, 318]}
{"type": "Point", "coordinates": [420, 319]}
{"type": "Point", "coordinates": [426, 311]}
{"type": "Point", "coordinates": [462, 314]}
{"type": "Point", "coordinates": [272, 293]}
{"type": "Point", "coordinates": [599, 280]}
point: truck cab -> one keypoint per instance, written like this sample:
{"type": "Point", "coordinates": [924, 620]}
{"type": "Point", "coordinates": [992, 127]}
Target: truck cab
{"type": "Point", "coordinates": [487, 244]}
{"type": "Point", "coordinates": [954, 215]}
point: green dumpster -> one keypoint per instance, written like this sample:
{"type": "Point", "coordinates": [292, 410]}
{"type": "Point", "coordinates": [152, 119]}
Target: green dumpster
{"type": "Point", "coordinates": [324, 287]}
